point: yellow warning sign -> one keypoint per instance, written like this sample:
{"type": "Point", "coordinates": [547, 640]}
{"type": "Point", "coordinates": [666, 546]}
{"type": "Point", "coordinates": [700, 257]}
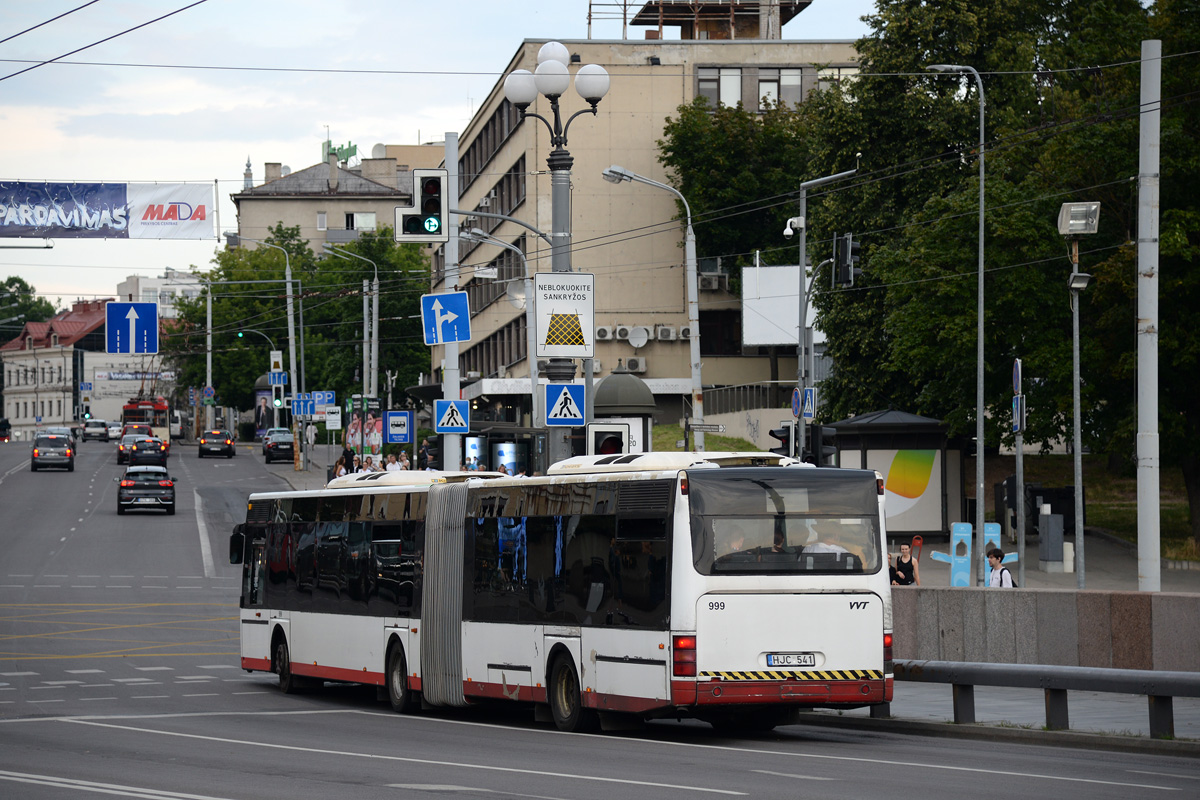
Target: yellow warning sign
{"type": "Point", "coordinates": [565, 330]}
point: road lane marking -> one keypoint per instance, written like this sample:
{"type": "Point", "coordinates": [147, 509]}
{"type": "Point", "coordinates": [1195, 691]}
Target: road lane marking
{"type": "Point", "coordinates": [1165, 774]}
{"type": "Point", "coordinates": [205, 549]}
{"type": "Point", "coordinates": [83, 671]}
{"type": "Point", "coordinates": [790, 775]}
{"type": "Point", "coordinates": [403, 759]}
{"type": "Point", "coordinates": [103, 788]}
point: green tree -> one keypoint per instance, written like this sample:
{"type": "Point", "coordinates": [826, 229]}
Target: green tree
{"type": "Point", "coordinates": [20, 299]}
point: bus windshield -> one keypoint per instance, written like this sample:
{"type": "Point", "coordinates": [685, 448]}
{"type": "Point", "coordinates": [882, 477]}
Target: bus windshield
{"type": "Point", "coordinates": [796, 521]}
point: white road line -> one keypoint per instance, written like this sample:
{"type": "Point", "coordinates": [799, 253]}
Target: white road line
{"type": "Point", "coordinates": [155, 669]}
{"type": "Point", "coordinates": [210, 694]}
{"type": "Point", "coordinates": [85, 699]}
{"type": "Point", "coordinates": [404, 760]}
{"type": "Point", "coordinates": [205, 549]}
{"type": "Point", "coordinates": [1165, 774]}
{"type": "Point", "coordinates": [16, 674]}
{"type": "Point", "coordinates": [790, 775]}
{"type": "Point", "coordinates": [83, 671]}
{"type": "Point", "coordinates": [151, 696]}
{"type": "Point", "coordinates": [101, 788]}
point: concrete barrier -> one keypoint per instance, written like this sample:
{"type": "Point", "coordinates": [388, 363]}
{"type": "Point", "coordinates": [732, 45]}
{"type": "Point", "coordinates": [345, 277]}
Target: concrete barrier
{"type": "Point", "coordinates": [1091, 628]}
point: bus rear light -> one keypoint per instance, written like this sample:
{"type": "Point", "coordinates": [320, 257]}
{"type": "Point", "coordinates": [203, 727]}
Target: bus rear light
{"type": "Point", "coordinates": [887, 652]}
{"type": "Point", "coordinates": [683, 655]}
{"type": "Point", "coordinates": [879, 486]}
{"type": "Point", "coordinates": [683, 484]}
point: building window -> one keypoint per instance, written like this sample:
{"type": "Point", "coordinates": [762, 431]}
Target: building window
{"type": "Point", "coordinates": [721, 85]}
{"type": "Point", "coordinates": [721, 333]}
{"type": "Point", "coordinates": [834, 76]}
{"type": "Point", "coordinates": [321, 223]}
{"type": "Point", "coordinates": [149, 296]}
{"type": "Point", "coordinates": [360, 221]}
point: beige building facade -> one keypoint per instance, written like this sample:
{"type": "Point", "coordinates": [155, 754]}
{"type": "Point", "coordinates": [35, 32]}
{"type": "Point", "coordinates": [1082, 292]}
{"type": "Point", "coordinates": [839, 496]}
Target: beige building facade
{"type": "Point", "coordinates": [628, 235]}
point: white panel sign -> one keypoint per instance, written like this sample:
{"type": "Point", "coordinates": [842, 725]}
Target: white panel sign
{"type": "Point", "coordinates": [564, 303]}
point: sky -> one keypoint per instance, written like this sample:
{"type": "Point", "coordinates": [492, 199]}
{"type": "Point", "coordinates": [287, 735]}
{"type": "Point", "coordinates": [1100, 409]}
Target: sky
{"type": "Point", "coordinates": [157, 121]}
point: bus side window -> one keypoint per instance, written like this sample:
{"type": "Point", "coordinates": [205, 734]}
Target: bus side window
{"type": "Point", "coordinates": [254, 575]}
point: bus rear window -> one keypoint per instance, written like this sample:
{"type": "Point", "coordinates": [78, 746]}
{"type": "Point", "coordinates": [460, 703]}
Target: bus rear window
{"type": "Point", "coordinates": [789, 521]}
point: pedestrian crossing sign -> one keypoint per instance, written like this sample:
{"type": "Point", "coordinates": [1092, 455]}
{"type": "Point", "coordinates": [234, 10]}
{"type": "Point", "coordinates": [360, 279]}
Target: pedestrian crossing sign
{"type": "Point", "coordinates": [566, 404]}
{"type": "Point", "coordinates": [450, 416]}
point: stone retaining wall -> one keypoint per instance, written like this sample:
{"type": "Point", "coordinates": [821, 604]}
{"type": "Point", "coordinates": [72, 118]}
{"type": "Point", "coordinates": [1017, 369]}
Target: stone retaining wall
{"type": "Point", "coordinates": [1123, 630]}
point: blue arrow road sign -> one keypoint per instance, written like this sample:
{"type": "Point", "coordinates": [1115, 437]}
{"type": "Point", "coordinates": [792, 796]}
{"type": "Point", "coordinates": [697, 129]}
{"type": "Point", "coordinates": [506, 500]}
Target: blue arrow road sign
{"type": "Point", "coordinates": [446, 318]}
{"type": "Point", "coordinates": [304, 407]}
{"type": "Point", "coordinates": [450, 416]}
{"type": "Point", "coordinates": [85, 386]}
{"type": "Point", "coordinates": [565, 404]}
{"type": "Point", "coordinates": [398, 426]}
{"type": "Point", "coordinates": [277, 378]}
{"type": "Point", "coordinates": [131, 327]}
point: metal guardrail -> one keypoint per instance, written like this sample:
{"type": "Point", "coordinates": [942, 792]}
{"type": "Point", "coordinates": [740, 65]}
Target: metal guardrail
{"type": "Point", "coordinates": [1159, 687]}
{"type": "Point", "coordinates": [748, 396]}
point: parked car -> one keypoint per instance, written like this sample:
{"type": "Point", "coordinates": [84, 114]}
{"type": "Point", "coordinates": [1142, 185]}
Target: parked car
{"type": "Point", "coordinates": [217, 443]}
{"type": "Point", "coordinates": [52, 450]}
{"type": "Point", "coordinates": [279, 447]}
{"type": "Point", "coordinates": [147, 450]}
{"type": "Point", "coordinates": [271, 432]}
{"type": "Point", "coordinates": [146, 487]}
{"type": "Point", "coordinates": [95, 429]}
{"type": "Point", "coordinates": [114, 431]}
{"type": "Point", "coordinates": [126, 444]}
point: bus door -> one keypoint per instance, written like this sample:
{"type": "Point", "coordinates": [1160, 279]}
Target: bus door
{"type": "Point", "coordinates": [255, 619]}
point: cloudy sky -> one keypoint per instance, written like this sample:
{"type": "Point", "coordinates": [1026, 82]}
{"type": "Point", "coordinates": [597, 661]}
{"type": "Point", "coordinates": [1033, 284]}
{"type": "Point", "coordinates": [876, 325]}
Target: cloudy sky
{"type": "Point", "coordinates": [135, 111]}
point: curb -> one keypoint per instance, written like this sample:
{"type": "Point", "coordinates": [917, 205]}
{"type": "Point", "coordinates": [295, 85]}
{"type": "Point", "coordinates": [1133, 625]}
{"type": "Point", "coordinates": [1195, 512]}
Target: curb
{"type": "Point", "coordinates": [1188, 748]}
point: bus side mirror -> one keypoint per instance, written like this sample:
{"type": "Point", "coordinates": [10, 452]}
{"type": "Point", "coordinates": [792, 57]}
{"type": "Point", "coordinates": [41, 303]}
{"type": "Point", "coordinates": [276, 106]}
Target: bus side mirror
{"type": "Point", "coordinates": [237, 544]}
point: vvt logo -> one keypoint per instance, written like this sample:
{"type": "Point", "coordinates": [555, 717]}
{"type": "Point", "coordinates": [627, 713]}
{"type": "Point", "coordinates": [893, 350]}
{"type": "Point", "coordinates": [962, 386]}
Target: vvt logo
{"type": "Point", "coordinates": [857, 604]}
{"type": "Point", "coordinates": [174, 211]}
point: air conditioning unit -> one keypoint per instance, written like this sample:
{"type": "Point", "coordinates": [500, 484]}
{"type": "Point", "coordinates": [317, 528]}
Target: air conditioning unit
{"type": "Point", "coordinates": [636, 364]}
{"type": "Point", "coordinates": [596, 367]}
{"type": "Point", "coordinates": [685, 332]}
{"type": "Point", "coordinates": [621, 332]}
{"type": "Point", "coordinates": [711, 283]}
{"type": "Point", "coordinates": [666, 333]}
{"type": "Point", "coordinates": [604, 333]}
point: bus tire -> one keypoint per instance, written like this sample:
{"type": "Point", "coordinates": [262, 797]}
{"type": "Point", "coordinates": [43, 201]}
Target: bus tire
{"type": "Point", "coordinates": [402, 698]}
{"type": "Point", "coordinates": [288, 683]}
{"type": "Point", "coordinates": [566, 699]}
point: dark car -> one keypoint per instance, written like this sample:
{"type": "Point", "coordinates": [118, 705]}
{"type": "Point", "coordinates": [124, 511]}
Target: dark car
{"type": "Point", "coordinates": [279, 447]}
{"type": "Point", "coordinates": [52, 450]}
{"type": "Point", "coordinates": [126, 444]}
{"type": "Point", "coordinates": [217, 443]}
{"type": "Point", "coordinates": [271, 432]}
{"type": "Point", "coordinates": [95, 429]}
{"type": "Point", "coordinates": [146, 487]}
{"type": "Point", "coordinates": [147, 450]}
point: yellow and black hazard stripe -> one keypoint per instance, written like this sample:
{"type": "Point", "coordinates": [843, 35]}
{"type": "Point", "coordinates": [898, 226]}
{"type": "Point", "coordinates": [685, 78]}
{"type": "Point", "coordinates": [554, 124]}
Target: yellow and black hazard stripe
{"type": "Point", "coordinates": [799, 675]}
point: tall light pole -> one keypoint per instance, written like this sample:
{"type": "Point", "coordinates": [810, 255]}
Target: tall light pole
{"type": "Point", "coordinates": [521, 88]}
{"type": "Point", "coordinates": [979, 437]}
{"type": "Point", "coordinates": [616, 174]}
{"type": "Point", "coordinates": [477, 235]}
{"type": "Point", "coordinates": [1075, 220]}
{"type": "Point", "coordinates": [234, 239]}
{"type": "Point", "coordinates": [371, 363]}
{"type": "Point", "coordinates": [804, 361]}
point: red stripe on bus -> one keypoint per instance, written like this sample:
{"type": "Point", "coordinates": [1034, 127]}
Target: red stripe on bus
{"type": "Point", "coordinates": [260, 664]}
{"type": "Point", "coordinates": [338, 674]}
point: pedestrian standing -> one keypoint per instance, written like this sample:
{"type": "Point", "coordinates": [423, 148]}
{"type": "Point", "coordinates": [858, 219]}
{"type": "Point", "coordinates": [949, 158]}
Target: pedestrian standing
{"type": "Point", "coordinates": [1001, 577]}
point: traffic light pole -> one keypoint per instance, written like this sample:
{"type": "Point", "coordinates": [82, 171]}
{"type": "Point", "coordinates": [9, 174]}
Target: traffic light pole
{"type": "Point", "coordinates": [451, 443]}
{"type": "Point", "coordinates": [804, 349]}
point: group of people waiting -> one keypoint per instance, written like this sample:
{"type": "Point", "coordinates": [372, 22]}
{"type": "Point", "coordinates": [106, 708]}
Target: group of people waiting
{"type": "Point", "coordinates": [350, 463]}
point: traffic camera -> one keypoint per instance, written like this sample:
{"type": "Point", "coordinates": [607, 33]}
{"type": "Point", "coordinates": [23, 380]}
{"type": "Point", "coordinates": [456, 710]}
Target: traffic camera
{"type": "Point", "coordinates": [425, 221]}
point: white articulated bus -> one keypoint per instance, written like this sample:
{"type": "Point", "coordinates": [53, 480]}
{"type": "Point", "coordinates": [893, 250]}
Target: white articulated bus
{"type": "Point", "coordinates": [731, 587]}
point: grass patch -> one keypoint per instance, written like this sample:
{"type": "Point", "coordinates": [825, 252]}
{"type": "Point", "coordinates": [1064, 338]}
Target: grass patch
{"type": "Point", "coordinates": [665, 437]}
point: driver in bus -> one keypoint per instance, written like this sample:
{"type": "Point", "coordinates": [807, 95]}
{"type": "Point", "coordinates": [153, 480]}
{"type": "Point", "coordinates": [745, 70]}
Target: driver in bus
{"type": "Point", "coordinates": [825, 537]}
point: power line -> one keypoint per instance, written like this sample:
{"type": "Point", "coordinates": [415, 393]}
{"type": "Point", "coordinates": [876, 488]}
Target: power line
{"type": "Point", "coordinates": [47, 22]}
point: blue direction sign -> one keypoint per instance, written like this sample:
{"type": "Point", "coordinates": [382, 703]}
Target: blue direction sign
{"type": "Point", "coordinates": [277, 378]}
{"type": "Point", "coordinates": [446, 317]}
{"type": "Point", "coordinates": [398, 426]}
{"type": "Point", "coordinates": [303, 405]}
{"type": "Point", "coordinates": [324, 399]}
{"type": "Point", "coordinates": [131, 327]}
{"type": "Point", "coordinates": [451, 416]}
{"type": "Point", "coordinates": [85, 386]}
{"type": "Point", "coordinates": [565, 404]}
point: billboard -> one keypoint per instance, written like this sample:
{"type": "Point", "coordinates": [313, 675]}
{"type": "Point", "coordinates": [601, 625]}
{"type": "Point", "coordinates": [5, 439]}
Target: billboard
{"type": "Point", "coordinates": [771, 305]}
{"type": "Point", "coordinates": [106, 210]}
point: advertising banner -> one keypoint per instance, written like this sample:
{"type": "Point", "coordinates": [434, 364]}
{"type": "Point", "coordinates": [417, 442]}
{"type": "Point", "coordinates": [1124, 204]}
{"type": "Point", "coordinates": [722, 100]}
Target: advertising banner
{"type": "Point", "coordinates": [106, 210]}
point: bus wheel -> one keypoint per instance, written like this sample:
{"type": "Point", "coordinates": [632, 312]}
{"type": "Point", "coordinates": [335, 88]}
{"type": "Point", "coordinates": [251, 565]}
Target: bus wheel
{"type": "Point", "coordinates": [566, 701]}
{"type": "Point", "coordinates": [402, 698]}
{"type": "Point", "coordinates": [288, 683]}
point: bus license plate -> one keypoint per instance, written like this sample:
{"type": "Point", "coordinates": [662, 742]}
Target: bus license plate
{"type": "Point", "coordinates": [791, 659]}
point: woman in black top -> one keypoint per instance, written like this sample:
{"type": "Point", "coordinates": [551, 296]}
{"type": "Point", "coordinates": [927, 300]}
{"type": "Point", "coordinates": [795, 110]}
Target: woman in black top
{"type": "Point", "coordinates": [907, 572]}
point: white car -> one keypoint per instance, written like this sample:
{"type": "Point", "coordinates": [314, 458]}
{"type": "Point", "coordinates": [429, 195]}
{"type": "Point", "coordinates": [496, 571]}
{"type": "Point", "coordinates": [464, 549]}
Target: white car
{"type": "Point", "coordinates": [114, 431]}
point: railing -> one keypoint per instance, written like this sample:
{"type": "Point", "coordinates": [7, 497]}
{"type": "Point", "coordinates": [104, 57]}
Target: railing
{"type": "Point", "coordinates": [1159, 687]}
{"type": "Point", "coordinates": [746, 396]}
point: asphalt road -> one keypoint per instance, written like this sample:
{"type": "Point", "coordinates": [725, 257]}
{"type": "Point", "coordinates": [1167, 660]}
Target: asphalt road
{"type": "Point", "coordinates": [118, 677]}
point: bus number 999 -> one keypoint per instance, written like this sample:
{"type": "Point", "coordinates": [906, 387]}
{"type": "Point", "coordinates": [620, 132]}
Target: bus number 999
{"type": "Point", "coordinates": [716, 605]}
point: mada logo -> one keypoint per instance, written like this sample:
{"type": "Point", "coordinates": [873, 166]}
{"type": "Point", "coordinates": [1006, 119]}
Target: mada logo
{"type": "Point", "coordinates": [175, 211]}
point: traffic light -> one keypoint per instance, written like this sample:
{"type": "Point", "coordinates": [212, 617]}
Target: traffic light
{"type": "Point", "coordinates": [845, 260]}
{"type": "Point", "coordinates": [607, 438]}
{"type": "Point", "coordinates": [436, 459]}
{"type": "Point", "coordinates": [425, 221]}
{"type": "Point", "coordinates": [822, 446]}
{"type": "Point", "coordinates": [277, 396]}
{"type": "Point", "coordinates": [87, 410]}
{"type": "Point", "coordinates": [786, 437]}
